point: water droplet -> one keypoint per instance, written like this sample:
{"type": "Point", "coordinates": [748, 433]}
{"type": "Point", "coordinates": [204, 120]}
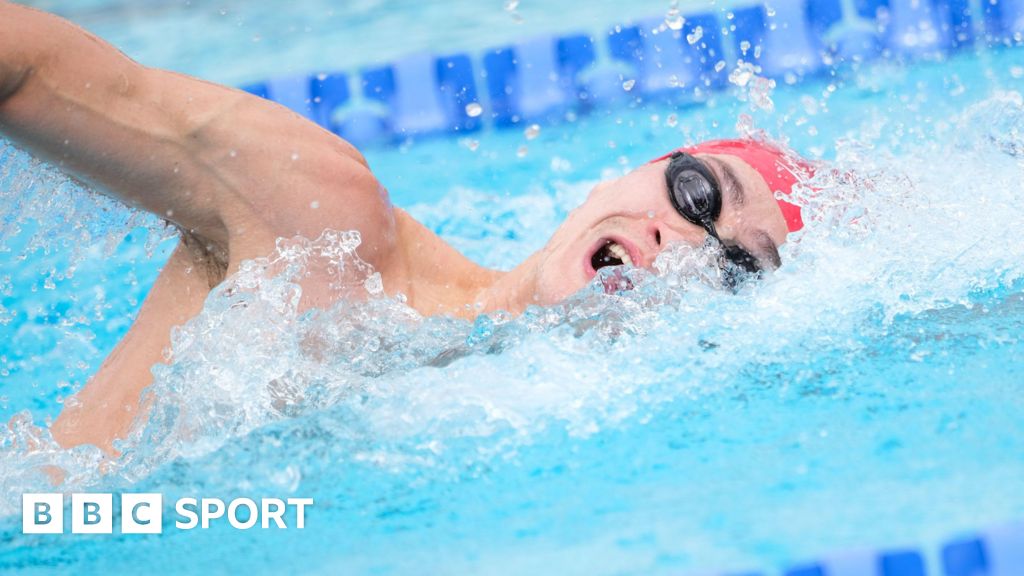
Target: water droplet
{"type": "Point", "coordinates": [745, 125]}
{"type": "Point", "coordinates": [374, 284]}
{"type": "Point", "coordinates": [742, 74]}
{"type": "Point", "coordinates": [810, 105]}
{"type": "Point", "coordinates": [672, 120]}
{"type": "Point", "coordinates": [532, 131]}
{"type": "Point", "coordinates": [233, 153]}
{"type": "Point", "coordinates": [720, 66]}
{"type": "Point", "coordinates": [761, 93]}
{"type": "Point", "coordinates": [521, 151]}
{"type": "Point", "coordinates": [744, 47]}
{"type": "Point", "coordinates": [769, 11]}
{"type": "Point", "coordinates": [628, 85]}
{"type": "Point", "coordinates": [559, 164]}
{"type": "Point", "coordinates": [314, 204]}
{"type": "Point", "coordinates": [673, 19]}
{"type": "Point", "coordinates": [295, 156]}
{"type": "Point", "coordinates": [650, 214]}
{"type": "Point", "coordinates": [471, 144]}
{"type": "Point", "coordinates": [510, 8]}
{"type": "Point", "coordinates": [696, 35]}
{"type": "Point", "coordinates": [474, 109]}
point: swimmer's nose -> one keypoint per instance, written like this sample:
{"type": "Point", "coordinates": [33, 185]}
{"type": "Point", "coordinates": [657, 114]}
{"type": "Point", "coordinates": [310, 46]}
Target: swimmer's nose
{"type": "Point", "coordinates": [663, 234]}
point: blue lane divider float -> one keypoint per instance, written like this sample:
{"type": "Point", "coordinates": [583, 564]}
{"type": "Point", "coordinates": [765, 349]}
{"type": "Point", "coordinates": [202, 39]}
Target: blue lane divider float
{"type": "Point", "coordinates": [545, 78]}
{"type": "Point", "coordinates": [533, 80]}
{"type": "Point", "coordinates": [1004, 20]}
{"type": "Point", "coordinates": [995, 552]}
{"type": "Point", "coordinates": [890, 563]}
{"type": "Point", "coordinates": [327, 92]}
{"type": "Point", "coordinates": [423, 94]}
{"type": "Point", "coordinates": [779, 37]}
{"type": "Point", "coordinates": [667, 63]}
{"type": "Point", "coordinates": [918, 28]}
{"type": "Point", "coordinates": [853, 37]}
{"type": "Point", "coordinates": [409, 89]}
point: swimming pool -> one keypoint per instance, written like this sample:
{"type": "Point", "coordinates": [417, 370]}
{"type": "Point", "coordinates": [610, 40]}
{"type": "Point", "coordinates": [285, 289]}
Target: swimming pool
{"type": "Point", "coordinates": [864, 397]}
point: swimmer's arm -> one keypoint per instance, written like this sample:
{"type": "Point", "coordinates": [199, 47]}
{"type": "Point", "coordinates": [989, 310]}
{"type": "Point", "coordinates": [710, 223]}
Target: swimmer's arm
{"type": "Point", "coordinates": [105, 409]}
{"type": "Point", "coordinates": [72, 99]}
{"type": "Point", "coordinates": [218, 162]}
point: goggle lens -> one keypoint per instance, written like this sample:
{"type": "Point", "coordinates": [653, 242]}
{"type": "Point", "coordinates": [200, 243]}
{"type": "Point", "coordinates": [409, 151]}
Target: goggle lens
{"type": "Point", "coordinates": [696, 195]}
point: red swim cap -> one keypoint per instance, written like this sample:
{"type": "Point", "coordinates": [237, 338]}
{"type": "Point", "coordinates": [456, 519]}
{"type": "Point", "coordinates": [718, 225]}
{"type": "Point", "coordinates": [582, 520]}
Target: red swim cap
{"type": "Point", "coordinates": [779, 169]}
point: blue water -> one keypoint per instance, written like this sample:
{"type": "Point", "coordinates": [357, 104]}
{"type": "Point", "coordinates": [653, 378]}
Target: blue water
{"type": "Point", "coordinates": [867, 394]}
{"type": "Point", "coordinates": [244, 41]}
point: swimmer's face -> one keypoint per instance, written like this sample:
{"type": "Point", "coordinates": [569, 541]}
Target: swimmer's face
{"type": "Point", "coordinates": [630, 220]}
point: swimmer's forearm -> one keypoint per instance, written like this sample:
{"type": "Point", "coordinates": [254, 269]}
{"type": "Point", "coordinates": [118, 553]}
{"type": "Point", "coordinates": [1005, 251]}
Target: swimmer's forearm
{"type": "Point", "coordinates": [129, 131]}
{"type": "Point", "coordinates": [218, 162]}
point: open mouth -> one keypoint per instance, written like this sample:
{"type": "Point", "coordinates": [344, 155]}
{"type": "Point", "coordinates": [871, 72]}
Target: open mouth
{"type": "Point", "coordinates": [611, 253]}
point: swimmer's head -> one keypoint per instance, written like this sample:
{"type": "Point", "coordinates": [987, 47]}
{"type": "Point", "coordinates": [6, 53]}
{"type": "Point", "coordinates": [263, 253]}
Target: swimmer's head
{"type": "Point", "coordinates": [630, 220]}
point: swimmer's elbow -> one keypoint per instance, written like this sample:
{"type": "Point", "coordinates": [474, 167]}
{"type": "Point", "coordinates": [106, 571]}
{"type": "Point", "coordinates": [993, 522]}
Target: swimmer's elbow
{"type": "Point", "coordinates": [12, 78]}
{"type": "Point", "coordinates": [19, 47]}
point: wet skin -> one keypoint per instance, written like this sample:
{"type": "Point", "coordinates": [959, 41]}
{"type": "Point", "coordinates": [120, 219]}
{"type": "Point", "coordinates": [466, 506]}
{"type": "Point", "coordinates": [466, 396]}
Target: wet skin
{"type": "Point", "coordinates": [235, 172]}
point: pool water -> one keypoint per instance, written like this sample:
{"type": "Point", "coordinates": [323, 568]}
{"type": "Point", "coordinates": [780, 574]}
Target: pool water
{"type": "Point", "coordinates": [867, 394]}
{"type": "Point", "coordinates": [244, 41]}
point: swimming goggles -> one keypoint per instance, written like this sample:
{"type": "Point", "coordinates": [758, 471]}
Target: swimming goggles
{"type": "Point", "coordinates": [697, 196]}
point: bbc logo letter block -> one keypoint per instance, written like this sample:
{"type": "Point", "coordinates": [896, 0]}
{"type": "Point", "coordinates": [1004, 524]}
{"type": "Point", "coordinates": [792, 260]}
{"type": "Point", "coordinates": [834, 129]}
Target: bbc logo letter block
{"type": "Point", "coordinates": [91, 513]}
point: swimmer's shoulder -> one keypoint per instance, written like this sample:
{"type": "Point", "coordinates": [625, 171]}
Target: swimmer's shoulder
{"type": "Point", "coordinates": [279, 175]}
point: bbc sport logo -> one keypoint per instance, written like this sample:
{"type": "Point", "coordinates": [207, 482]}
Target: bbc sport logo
{"type": "Point", "coordinates": [93, 513]}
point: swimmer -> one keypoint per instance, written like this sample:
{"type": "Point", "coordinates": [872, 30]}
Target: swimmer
{"type": "Point", "coordinates": [234, 172]}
